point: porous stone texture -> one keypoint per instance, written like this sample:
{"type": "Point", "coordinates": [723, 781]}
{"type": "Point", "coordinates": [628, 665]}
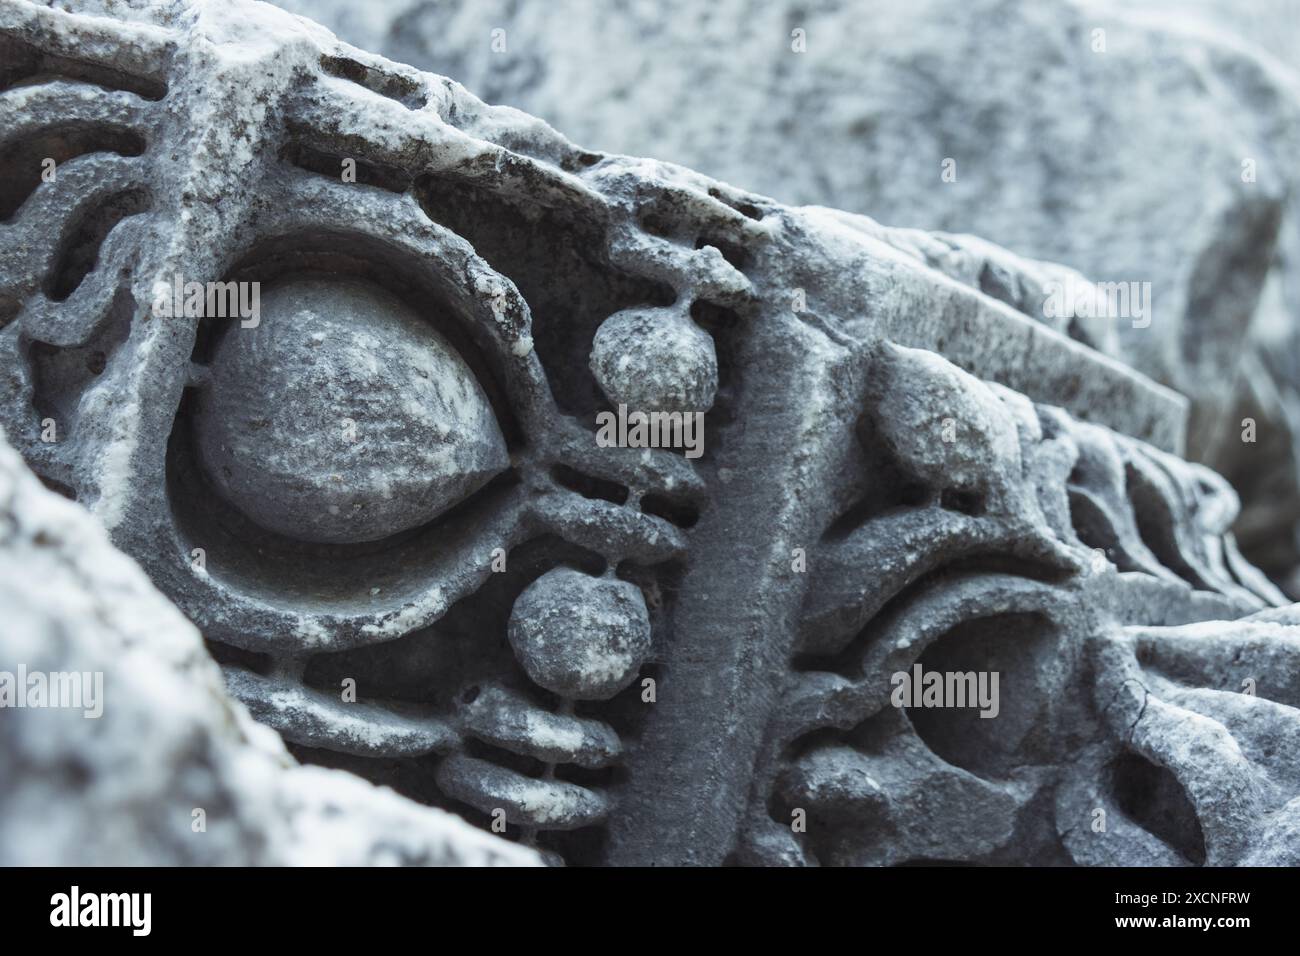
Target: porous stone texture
{"type": "Point", "coordinates": [171, 771]}
{"type": "Point", "coordinates": [630, 655]}
{"type": "Point", "coordinates": [1147, 141]}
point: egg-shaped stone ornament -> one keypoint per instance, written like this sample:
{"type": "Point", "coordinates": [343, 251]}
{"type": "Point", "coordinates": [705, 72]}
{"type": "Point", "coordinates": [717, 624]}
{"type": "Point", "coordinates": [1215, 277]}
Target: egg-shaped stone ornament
{"type": "Point", "coordinates": [343, 416]}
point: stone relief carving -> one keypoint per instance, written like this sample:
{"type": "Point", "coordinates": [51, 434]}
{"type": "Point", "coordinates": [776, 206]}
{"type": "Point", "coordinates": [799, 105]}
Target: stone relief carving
{"type": "Point", "coordinates": [382, 500]}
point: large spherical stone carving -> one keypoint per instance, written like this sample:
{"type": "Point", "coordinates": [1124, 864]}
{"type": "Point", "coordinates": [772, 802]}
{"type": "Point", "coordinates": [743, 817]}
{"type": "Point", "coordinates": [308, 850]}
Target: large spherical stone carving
{"type": "Point", "coordinates": [343, 416]}
{"type": "Point", "coordinates": [655, 360]}
{"type": "Point", "coordinates": [584, 638]}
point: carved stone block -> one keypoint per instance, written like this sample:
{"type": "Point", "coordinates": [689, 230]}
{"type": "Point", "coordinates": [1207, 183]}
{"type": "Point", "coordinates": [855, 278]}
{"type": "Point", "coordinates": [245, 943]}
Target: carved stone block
{"type": "Point", "coordinates": [381, 496]}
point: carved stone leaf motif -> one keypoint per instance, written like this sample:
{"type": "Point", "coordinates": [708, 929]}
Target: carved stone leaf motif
{"type": "Point", "coordinates": [1166, 760]}
{"type": "Point", "coordinates": [384, 505]}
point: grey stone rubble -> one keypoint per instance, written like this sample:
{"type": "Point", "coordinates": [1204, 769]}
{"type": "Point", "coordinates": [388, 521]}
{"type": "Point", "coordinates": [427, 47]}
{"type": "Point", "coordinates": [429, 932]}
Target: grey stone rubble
{"type": "Point", "coordinates": [122, 788]}
{"type": "Point", "coordinates": [1119, 154]}
{"type": "Point", "coordinates": [391, 483]}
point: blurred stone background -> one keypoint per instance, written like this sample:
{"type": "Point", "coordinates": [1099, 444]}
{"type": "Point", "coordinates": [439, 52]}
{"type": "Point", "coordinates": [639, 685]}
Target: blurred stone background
{"type": "Point", "coordinates": [1149, 141]}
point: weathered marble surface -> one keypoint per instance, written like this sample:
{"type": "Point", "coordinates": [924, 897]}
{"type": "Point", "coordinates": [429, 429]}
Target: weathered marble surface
{"type": "Point", "coordinates": [629, 655]}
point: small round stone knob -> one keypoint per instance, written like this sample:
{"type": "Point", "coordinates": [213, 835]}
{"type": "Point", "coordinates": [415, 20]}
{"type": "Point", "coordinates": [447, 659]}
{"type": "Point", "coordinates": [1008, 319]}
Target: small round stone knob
{"type": "Point", "coordinates": [655, 360]}
{"type": "Point", "coordinates": [584, 638]}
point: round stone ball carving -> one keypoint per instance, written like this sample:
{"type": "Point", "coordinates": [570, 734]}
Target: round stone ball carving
{"type": "Point", "coordinates": [655, 360]}
{"type": "Point", "coordinates": [343, 416]}
{"type": "Point", "coordinates": [584, 638]}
